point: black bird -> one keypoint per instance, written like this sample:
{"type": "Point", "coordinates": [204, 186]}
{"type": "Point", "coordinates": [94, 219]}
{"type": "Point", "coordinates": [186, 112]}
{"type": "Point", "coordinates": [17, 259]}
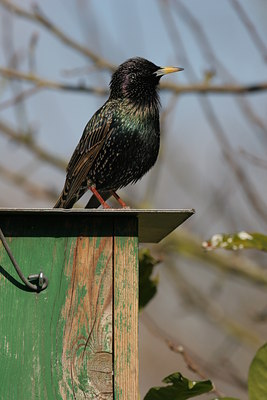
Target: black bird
{"type": "Point", "coordinates": [121, 141]}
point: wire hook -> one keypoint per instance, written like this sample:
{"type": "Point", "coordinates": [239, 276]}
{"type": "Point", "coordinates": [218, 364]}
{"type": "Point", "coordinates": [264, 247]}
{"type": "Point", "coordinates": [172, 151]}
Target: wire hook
{"type": "Point", "coordinates": [40, 279]}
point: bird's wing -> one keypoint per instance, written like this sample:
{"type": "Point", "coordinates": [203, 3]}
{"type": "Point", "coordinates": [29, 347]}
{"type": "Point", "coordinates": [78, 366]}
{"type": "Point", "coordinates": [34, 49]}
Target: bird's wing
{"type": "Point", "coordinates": [94, 136]}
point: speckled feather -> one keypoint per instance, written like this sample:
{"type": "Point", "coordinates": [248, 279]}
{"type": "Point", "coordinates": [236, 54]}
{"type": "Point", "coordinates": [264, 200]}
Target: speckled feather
{"type": "Point", "coordinates": [121, 141]}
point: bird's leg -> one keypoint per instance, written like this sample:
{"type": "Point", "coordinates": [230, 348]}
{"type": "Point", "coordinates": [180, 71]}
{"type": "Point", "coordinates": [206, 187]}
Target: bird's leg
{"type": "Point", "coordinates": [99, 198]}
{"type": "Point", "coordinates": [119, 200]}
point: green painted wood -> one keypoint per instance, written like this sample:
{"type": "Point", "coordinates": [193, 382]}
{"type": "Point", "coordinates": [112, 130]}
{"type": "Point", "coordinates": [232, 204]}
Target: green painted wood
{"type": "Point", "coordinates": [78, 339]}
{"type": "Point", "coordinates": [57, 344]}
{"type": "Point", "coordinates": [126, 309]}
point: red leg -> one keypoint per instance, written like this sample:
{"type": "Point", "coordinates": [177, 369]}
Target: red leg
{"type": "Point", "coordinates": [99, 198]}
{"type": "Point", "coordinates": [119, 200]}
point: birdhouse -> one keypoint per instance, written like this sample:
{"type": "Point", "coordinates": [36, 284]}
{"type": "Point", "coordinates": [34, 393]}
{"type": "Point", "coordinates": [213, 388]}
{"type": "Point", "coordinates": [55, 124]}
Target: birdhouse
{"type": "Point", "coordinates": [77, 338]}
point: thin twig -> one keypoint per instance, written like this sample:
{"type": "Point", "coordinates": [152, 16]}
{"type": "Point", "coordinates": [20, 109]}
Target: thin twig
{"type": "Point", "coordinates": [21, 180]}
{"type": "Point", "coordinates": [200, 88]}
{"type": "Point", "coordinates": [191, 365]}
{"type": "Point", "coordinates": [171, 343]}
{"type": "Point", "coordinates": [183, 11]}
{"type": "Point", "coordinates": [209, 308]}
{"type": "Point", "coordinates": [48, 84]}
{"type": "Point", "coordinates": [245, 183]}
{"type": "Point", "coordinates": [259, 162]}
{"type": "Point", "coordinates": [37, 16]}
{"type": "Point", "coordinates": [27, 141]}
{"type": "Point", "coordinates": [259, 43]}
{"type": "Point", "coordinates": [20, 97]}
{"type": "Point", "coordinates": [178, 348]}
{"type": "Point", "coordinates": [187, 245]}
{"type": "Point", "coordinates": [203, 88]}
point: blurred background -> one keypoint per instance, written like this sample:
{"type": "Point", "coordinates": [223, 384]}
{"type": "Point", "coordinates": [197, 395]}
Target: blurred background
{"type": "Point", "coordinates": [56, 59]}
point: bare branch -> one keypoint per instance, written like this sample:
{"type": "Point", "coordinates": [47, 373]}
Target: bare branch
{"type": "Point", "coordinates": [192, 360]}
{"type": "Point", "coordinates": [27, 141]}
{"type": "Point", "coordinates": [201, 301]}
{"type": "Point", "coordinates": [259, 43]}
{"type": "Point", "coordinates": [259, 162]}
{"type": "Point", "coordinates": [191, 365]}
{"type": "Point", "coordinates": [203, 88]}
{"type": "Point", "coordinates": [200, 88]}
{"type": "Point", "coordinates": [39, 17]}
{"type": "Point", "coordinates": [185, 244]}
{"type": "Point", "coordinates": [19, 97]}
{"type": "Point", "coordinates": [204, 43]}
{"type": "Point", "coordinates": [48, 84]}
{"type": "Point", "coordinates": [241, 176]}
{"type": "Point", "coordinates": [29, 187]}
{"type": "Point", "coordinates": [157, 331]}
{"type": "Point", "coordinates": [217, 128]}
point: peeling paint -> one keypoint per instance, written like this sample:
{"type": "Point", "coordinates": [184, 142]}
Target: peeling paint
{"type": "Point", "coordinates": [87, 315]}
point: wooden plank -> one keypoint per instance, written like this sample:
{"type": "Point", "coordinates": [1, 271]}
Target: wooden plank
{"type": "Point", "coordinates": [126, 309]}
{"type": "Point", "coordinates": [67, 341]}
{"type": "Point", "coordinates": [87, 363]}
{"type": "Point", "coordinates": [153, 225]}
{"type": "Point", "coordinates": [57, 344]}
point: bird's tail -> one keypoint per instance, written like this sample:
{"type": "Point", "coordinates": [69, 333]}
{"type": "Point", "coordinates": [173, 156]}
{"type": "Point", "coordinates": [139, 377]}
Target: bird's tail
{"type": "Point", "coordinates": [67, 198]}
{"type": "Point", "coordinates": [65, 201]}
{"type": "Point", "coordinates": [59, 203]}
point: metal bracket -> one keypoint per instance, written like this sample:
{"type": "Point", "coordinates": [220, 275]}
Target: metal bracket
{"type": "Point", "coordinates": [40, 279]}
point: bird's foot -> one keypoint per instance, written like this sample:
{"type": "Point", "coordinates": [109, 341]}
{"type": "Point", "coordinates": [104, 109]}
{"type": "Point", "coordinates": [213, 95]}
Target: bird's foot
{"type": "Point", "coordinates": [119, 200]}
{"type": "Point", "coordinates": [99, 197]}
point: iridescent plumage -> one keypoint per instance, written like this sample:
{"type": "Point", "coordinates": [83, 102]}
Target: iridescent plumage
{"type": "Point", "coordinates": [121, 141]}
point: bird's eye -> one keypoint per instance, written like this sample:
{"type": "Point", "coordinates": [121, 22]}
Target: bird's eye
{"type": "Point", "coordinates": [132, 77]}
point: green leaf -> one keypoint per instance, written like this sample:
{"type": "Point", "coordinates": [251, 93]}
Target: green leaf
{"type": "Point", "coordinates": [179, 388]}
{"type": "Point", "coordinates": [226, 398]}
{"type": "Point", "coordinates": [147, 285]}
{"type": "Point", "coordinates": [237, 241]}
{"type": "Point", "coordinates": [257, 377]}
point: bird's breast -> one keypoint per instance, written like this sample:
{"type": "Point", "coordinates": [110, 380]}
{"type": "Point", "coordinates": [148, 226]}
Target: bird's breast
{"type": "Point", "coordinates": [130, 151]}
{"type": "Point", "coordinates": [141, 139]}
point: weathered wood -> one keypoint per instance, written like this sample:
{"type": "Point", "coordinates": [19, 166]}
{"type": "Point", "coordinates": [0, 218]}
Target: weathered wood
{"type": "Point", "coordinates": [87, 368]}
{"type": "Point", "coordinates": [126, 309]}
{"type": "Point", "coordinates": [78, 339]}
{"type": "Point", "coordinates": [58, 344]}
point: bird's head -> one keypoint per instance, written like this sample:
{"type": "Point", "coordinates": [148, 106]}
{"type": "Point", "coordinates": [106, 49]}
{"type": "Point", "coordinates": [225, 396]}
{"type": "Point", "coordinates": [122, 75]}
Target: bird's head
{"type": "Point", "coordinates": [137, 79]}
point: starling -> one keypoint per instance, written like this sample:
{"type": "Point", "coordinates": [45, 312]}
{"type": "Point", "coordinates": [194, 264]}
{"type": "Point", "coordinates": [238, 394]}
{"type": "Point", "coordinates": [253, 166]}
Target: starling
{"type": "Point", "coordinates": [121, 141]}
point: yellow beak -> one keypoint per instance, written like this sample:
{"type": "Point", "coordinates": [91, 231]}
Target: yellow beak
{"type": "Point", "coordinates": [167, 70]}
